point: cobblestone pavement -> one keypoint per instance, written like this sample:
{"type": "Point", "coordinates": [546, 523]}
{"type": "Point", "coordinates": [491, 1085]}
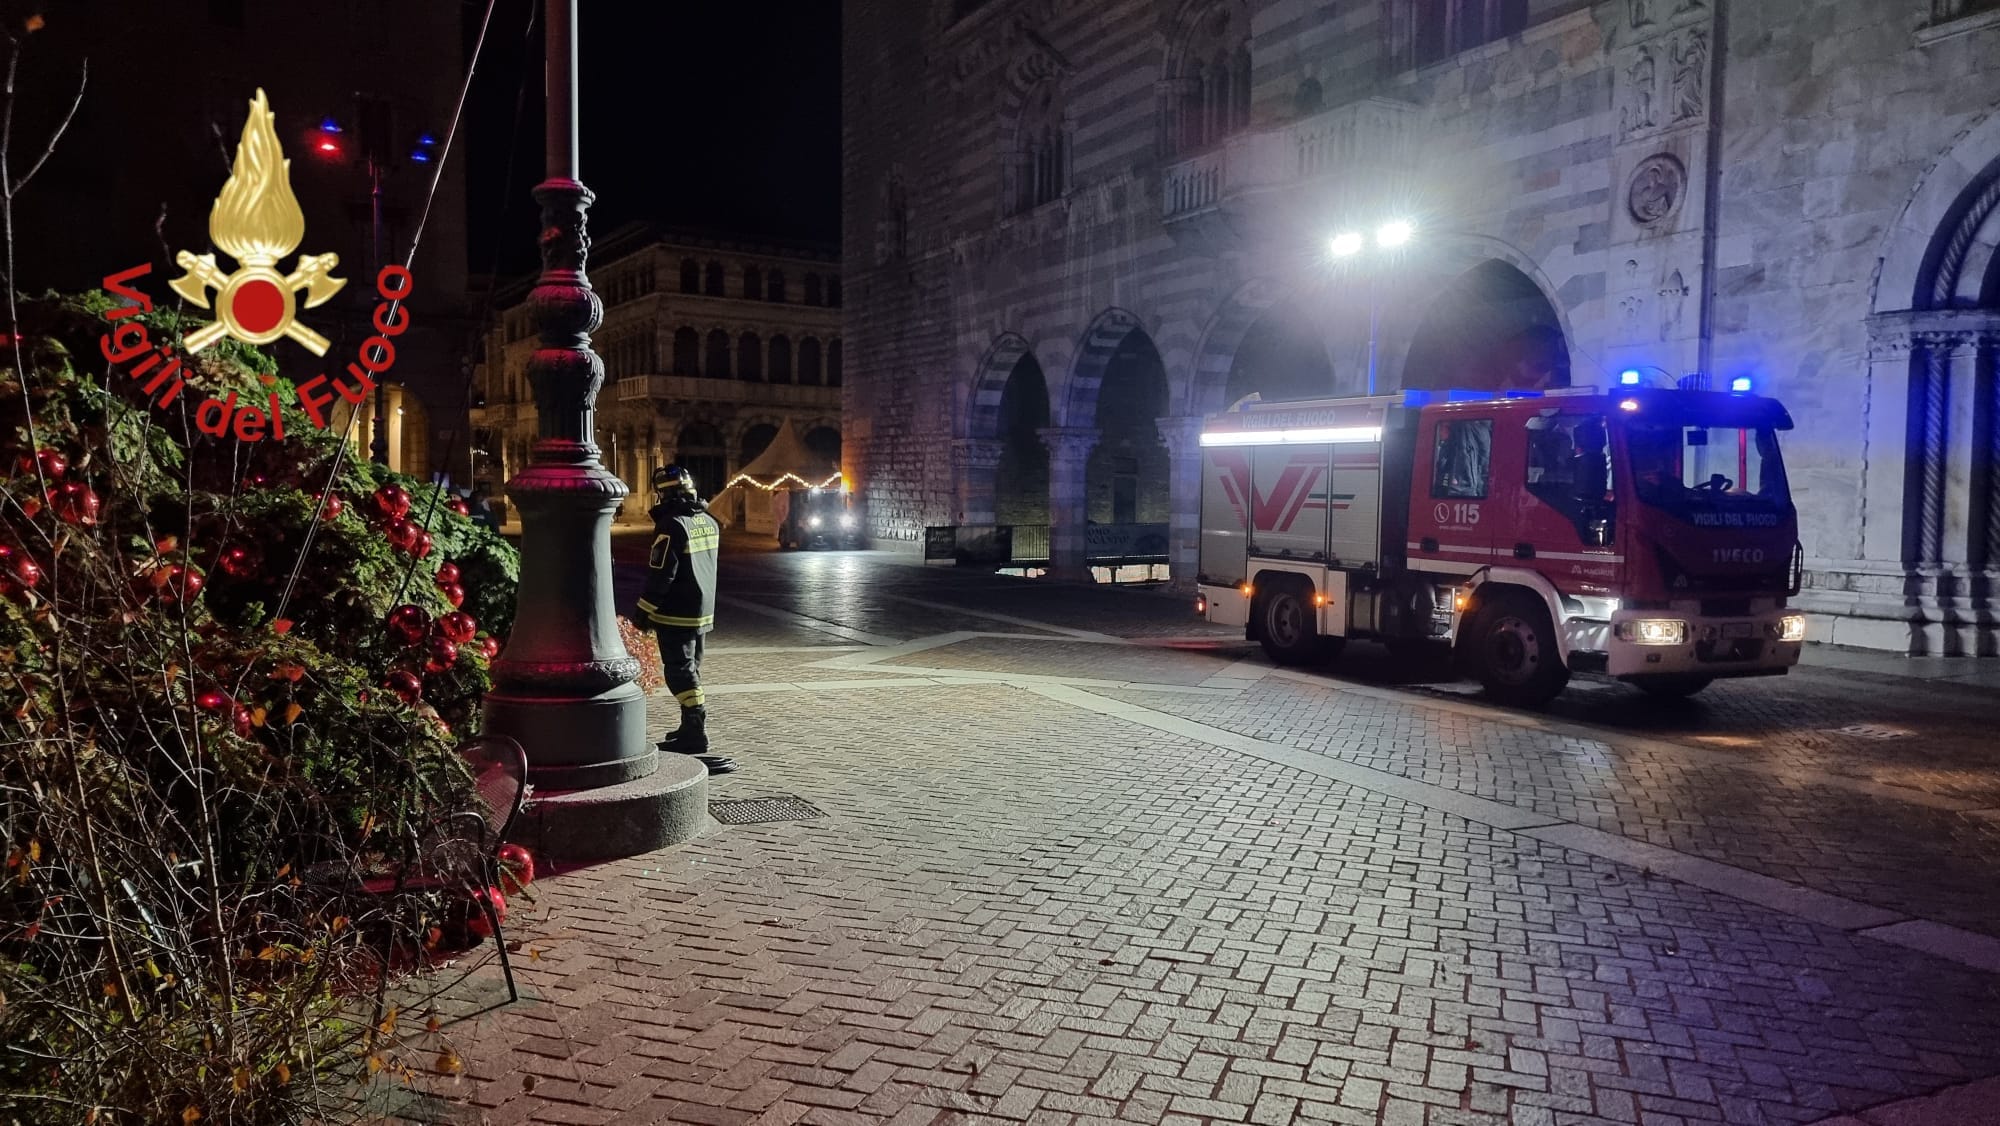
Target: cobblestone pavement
{"type": "Point", "coordinates": [1079, 859]}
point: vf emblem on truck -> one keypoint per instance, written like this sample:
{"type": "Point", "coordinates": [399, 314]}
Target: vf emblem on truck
{"type": "Point", "coordinates": [1289, 495]}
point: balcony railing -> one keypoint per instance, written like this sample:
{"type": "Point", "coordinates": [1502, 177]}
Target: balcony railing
{"type": "Point", "coordinates": [1373, 132]}
{"type": "Point", "coordinates": [711, 390]}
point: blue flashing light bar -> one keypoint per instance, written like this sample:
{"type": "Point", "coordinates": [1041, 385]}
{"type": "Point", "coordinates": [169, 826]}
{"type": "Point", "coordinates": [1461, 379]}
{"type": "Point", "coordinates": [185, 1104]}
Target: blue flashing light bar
{"type": "Point", "coordinates": [1740, 384]}
{"type": "Point", "coordinates": [1423, 398]}
{"type": "Point", "coordinates": [1628, 378]}
{"type": "Point", "coordinates": [421, 156]}
{"type": "Point", "coordinates": [426, 139]}
{"type": "Point", "coordinates": [329, 125]}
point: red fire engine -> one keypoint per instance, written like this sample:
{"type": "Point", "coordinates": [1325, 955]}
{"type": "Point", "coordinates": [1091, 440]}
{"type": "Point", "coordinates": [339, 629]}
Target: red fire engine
{"type": "Point", "coordinates": [1645, 533]}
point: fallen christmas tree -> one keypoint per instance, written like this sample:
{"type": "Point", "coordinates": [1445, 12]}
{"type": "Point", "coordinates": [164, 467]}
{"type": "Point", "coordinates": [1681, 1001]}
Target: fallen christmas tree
{"type": "Point", "coordinates": [226, 665]}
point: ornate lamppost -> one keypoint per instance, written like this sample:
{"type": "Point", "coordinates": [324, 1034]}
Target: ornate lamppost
{"type": "Point", "coordinates": [565, 687]}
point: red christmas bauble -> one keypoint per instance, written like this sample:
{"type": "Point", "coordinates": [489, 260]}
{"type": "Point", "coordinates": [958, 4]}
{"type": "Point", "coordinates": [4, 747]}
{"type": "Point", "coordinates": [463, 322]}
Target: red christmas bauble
{"type": "Point", "coordinates": [402, 535]}
{"type": "Point", "coordinates": [517, 868]}
{"type": "Point", "coordinates": [333, 508]}
{"type": "Point", "coordinates": [458, 505]}
{"type": "Point", "coordinates": [491, 647]}
{"type": "Point", "coordinates": [408, 624]}
{"type": "Point", "coordinates": [392, 502]}
{"type": "Point", "coordinates": [440, 654]}
{"type": "Point", "coordinates": [477, 924]}
{"type": "Point", "coordinates": [239, 561]}
{"type": "Point", "coordinates": [17, 570]}
{"type": "Point", "coordinates": [181, 585]}
{"type": "Point", "coordinates": [405, 684]}
{"type": "Point", "coordinates": [77, 503]}
{"type": "Point", "coordinates": [52, 462]}
{"type": "Point", "coordinates": [457, 627]}
{"type": "Point", "coordinates": [447, 573]}
{"type": "Point", "coordinates": [243, 721]}
{"type": "Point", "coordinates": [454, 594]}
{"type": "Point", "coordinates": [423, 547]}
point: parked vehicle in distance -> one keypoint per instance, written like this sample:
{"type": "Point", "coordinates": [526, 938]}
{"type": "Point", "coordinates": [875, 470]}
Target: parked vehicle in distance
{"type": "Point", "coordinates": [815, 517]}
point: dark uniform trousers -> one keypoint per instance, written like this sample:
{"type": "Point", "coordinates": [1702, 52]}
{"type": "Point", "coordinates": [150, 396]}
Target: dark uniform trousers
{"type": "Point", "coordinates": [680, 654]}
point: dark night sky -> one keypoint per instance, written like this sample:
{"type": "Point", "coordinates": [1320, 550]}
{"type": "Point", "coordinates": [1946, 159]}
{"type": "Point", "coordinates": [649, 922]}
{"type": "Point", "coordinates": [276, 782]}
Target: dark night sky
{"type": "Point", "coordinates": [715, 116]}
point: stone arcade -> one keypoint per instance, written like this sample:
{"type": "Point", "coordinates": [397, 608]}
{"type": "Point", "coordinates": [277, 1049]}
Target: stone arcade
{"type": "Point", "coordinates": [1074, 229]}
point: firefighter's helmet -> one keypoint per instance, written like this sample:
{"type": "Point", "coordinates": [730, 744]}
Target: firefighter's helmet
{"type": "Point", "coordinates": [670, 480]}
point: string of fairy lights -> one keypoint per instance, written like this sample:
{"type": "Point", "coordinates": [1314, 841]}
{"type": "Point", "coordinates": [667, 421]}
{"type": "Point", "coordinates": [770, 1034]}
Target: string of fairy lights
{"type": "Point", "coordinates": [746, 479]}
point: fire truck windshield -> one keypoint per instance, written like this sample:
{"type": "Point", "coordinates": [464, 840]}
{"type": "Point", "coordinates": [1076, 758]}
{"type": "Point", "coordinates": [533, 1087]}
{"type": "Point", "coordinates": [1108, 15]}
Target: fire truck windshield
{"type": "Point", "coordinates": [1691, 470]}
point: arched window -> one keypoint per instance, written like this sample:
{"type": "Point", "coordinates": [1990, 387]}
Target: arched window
{"type": "Point", "coordinates": [1438, 29]}
{"type": "Point", "coordinates": [781, 359]}
{"type": "Point", "coordinates": [690, 276]}
{"type": "Point", "coordinates": [833, 364]}
{"type": "Point", "coordinates": [687, 352]}
{"type": "Point", "coordinates": [812, 289]}
{"type": "Point", "coordinates": [753, 284]}
{"type": "Point", "coordinates": [712, 279]}
{"type": "Point", "coordinates": [809, 361]}
{"type": "Point", "coordinates": [1211, 87]}
{"type": "Point", "coordinates": [833, 292]}
{"type": "Point", "coordinates": [718, 355]}
{"type": "Point", "coordinates": [1040, 164]}
{"type": "Point", "coordinates": [749, 357]}
{"type": "Point", "coordinates": [702, 452]}
{"type": "Point", "coordinates": [774, 286]}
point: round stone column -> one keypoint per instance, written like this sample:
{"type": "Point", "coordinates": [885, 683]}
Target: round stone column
{"type": "Point", "coordinates": [1183, 440]}
{"type": "Point", "coordinates": [1069, 498]}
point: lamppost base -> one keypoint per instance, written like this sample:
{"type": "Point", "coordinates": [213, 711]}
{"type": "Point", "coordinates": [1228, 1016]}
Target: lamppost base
{"type": "Point", "coordinates": [663, 809]}
{"type": "Point", "coordinates": [577, 741]}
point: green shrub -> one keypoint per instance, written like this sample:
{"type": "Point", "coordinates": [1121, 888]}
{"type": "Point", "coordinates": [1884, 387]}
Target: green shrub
{"type": "Point", "coordinates": [200, 714]}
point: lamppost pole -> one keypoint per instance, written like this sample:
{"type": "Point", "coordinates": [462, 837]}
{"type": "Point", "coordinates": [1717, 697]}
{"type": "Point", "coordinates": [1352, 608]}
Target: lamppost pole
{"type": "Point", "coordinates": [565, 686]}
{"type": "Point", "coordinates": [1374, 321]}
{"type": "Point", "coordinates": [1389, 238]}
{"type": "Point", "coordinates": [379, 448]}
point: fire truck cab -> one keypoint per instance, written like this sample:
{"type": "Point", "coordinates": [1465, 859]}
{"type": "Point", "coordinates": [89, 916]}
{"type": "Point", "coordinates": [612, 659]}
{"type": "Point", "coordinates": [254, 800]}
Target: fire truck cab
{"type": "Point", "coordinates": [1644, 533]}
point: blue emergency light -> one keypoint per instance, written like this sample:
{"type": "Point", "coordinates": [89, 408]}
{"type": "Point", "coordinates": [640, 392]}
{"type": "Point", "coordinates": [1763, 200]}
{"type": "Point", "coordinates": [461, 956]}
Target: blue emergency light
{"type": "Point", "coordinates": [1628, 378]}
{"type": "Point", "coordinates": [1740, 384]}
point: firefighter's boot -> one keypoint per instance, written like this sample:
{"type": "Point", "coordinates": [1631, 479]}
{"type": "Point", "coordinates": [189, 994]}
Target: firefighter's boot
{"type": "Point", "coordinates": [692, 736]}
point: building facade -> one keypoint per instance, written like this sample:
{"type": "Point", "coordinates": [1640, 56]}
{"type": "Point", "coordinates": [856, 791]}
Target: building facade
{"type": "Point", "coordinates": [708, 345]}
{"type": "Point", "coordinates": [1075, 229]}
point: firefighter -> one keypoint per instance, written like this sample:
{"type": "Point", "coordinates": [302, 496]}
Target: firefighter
{"type": "Point", "coordinates": [679, 605]}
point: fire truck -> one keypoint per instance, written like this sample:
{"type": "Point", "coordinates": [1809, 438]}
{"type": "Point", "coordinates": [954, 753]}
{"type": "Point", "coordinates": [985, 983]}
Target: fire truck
{"type": "Point", "coordinates": [1644, 533]}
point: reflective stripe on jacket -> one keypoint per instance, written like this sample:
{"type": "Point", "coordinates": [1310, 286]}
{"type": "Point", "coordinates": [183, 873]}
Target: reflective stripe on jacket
{"type": "Point", "coordinates": [680, 578]}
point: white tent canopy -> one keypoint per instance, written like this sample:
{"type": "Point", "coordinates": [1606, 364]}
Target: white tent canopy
{"type": "Point", "coordinates": [786, 462]}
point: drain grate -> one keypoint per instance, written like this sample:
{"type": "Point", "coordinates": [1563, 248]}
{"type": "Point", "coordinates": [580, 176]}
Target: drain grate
{"type": "Point", "coordinates": [1873, 731]}
{"type": "Point", "coordinates": [763, 811]}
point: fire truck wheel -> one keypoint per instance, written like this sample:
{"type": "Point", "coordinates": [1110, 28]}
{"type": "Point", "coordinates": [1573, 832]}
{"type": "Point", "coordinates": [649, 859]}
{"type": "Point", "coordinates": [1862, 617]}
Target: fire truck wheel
{"type": "Point", "coordinates": [1289, 634]}
{"type": "Point", "coordinates": [1673, 687]}
{"type": "Point", "coordinates": [1514, 652]}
